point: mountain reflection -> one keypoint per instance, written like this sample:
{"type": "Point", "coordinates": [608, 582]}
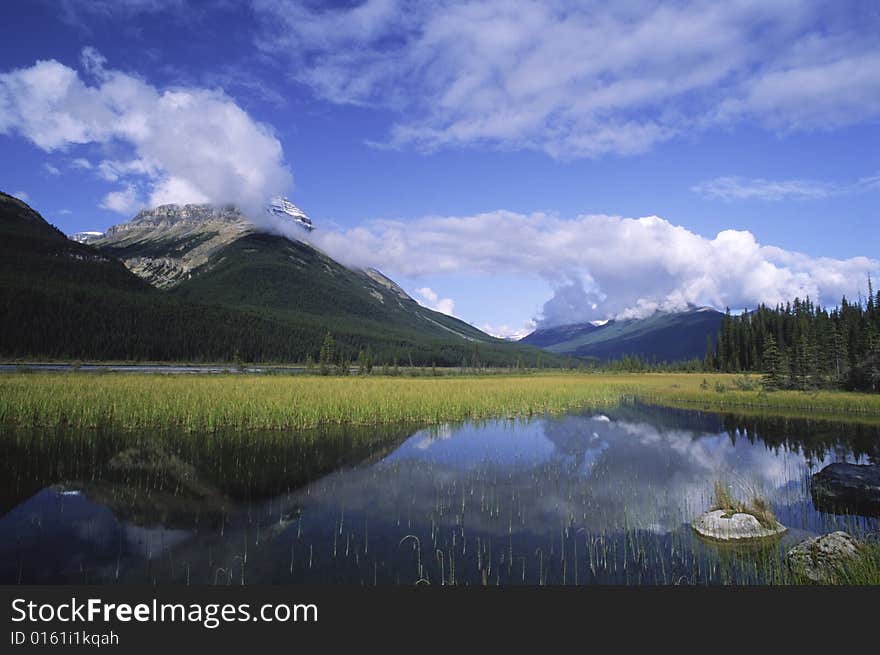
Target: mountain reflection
{"type": "Point", "coordinates": [335, 506]}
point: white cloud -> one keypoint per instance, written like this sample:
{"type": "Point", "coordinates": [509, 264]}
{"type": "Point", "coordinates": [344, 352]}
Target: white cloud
{"type": "Point", "coordinates": [509, 332]}
{"type": "Point", "coordinates": [112, 171]}
{"type": "Point", "coordinates": [601, 266]}
{"type": "Point", "coordinates": [21, 195]}
{"type": "Point", "coordinates": [185, 144]}
{"type": "Point", "coordinates": [125, 201]}
{"type": "Point", "coordinates": [50, 169]}
{"type": "Point", "coordinates": [582, 79]}
{"type": "Point", "coordinates": [745, 188]}
{"type": "Point", "coordinates": [429, 298]}
{"type": "Point", "coordinates": [81, 163]}
{"type": "Point", "coordinates": [93, 62]}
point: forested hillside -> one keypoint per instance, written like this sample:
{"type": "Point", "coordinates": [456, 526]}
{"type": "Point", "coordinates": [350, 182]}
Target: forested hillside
{"type": "Point", "coordinates": [60, 299]}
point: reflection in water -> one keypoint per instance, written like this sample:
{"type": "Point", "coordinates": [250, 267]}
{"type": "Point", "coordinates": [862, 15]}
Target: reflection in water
{"type": "Point", "coordinates": [578, 499]}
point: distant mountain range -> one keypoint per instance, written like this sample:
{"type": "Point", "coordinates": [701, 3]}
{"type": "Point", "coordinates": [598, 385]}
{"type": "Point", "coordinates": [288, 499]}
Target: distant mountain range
{"type": "Point", "coordinates": [662, 337]}
{"type": "Point", "coordinates": [203, 283]}
{"type": "Point", "coordinates": [200, 283]}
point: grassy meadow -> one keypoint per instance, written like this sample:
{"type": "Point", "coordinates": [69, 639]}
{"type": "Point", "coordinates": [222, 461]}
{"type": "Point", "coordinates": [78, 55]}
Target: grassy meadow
{"type": "Point", "coordinates": [276, 402]}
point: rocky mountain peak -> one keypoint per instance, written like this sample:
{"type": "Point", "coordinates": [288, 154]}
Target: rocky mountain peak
{"type": "Point", "coordinates": [164, 244]}
{"type": "Point", "coordinates": [171, 216]}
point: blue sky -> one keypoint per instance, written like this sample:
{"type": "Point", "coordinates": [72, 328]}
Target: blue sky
{"type": "Point", "coordinates": [498, 159]}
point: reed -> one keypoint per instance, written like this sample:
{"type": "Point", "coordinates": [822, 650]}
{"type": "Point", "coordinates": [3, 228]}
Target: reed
{"type": "Point", "coordinates": [273, 402]}
{"type": "Point", "coordinates": [757, 506]}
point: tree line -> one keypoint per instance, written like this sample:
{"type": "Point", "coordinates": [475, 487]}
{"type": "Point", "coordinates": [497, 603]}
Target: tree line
{"type": "Point", "coordinates": [801, 345]}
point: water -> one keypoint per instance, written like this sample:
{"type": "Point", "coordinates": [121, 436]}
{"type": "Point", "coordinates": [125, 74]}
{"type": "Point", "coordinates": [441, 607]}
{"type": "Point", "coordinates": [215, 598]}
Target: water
{"type": "Point", "coordinates": [603, 497]}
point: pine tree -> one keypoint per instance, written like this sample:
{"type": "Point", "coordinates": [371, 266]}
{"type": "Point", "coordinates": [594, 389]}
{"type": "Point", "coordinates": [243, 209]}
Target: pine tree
{"type": "Point", "coordinates": [368, 361]}
{"type": "Point", "coordinates": [838, 356]}
{"type": "Point", "coordinates": [710, 362]}
{"type": "Point", "coordinates": [327, 355]}
{"type": "Point", "coordinates": [342, 365]}
{"type": "Point", "coordinates": [772, 358]}
{"type": "Point", "coordinates": [804, 358]}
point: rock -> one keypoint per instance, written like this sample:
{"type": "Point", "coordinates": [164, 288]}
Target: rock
{"type": "Point", "coordinates": [821, 559]}
{"type": "Point", "coordinates": [725, 525]}
{"type": "Point", "coordinates": [165, 244]}
{"type": "Point", "coordinates": [849, 487]}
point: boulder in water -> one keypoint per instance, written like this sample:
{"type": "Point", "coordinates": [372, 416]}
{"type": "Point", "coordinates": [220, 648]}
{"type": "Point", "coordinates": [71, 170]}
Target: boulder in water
{"type": "Point", "coordinates": [728, 525]}
{"type": "Point", "coordinates": [823, 559]}
{"type": "Point", "coordinates": [849, 487]}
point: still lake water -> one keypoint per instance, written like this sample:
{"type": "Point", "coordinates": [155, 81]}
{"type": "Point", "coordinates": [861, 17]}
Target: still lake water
{"type": "Point", "coordinates": [594, 497]}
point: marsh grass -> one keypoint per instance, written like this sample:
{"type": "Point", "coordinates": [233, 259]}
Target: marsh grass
{"type": "Point", "coordinates": [756, 506]}
{"type": "Point", "coordinates": [865, 570]}
{"type": "Point", "coordinates": [274, 402]}
{"type": "Point", "coordinates": [862, 570]}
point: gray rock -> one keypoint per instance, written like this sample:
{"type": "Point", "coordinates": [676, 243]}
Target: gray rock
{"type": "Point", "coordinates": [821, 559]}
{"type": "Point", "coordinates": [850, 487]}
{"type": "Point", "coordinates": [724, 525]}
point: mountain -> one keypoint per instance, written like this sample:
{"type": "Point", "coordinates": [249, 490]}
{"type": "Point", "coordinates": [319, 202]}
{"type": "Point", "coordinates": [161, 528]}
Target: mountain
{"type": "Point", "coordinates": [33, 252]}
{"type": "Point", "coordinates": [662, 337]}
{"type": "Point", "coordinates": [204, 254]}
{"type": "Point", "coordinates": [550, 336]}
{"type": "Point", "coordinates": [163, 245]}
{"type": "Point", "coordinates": [198, 283]}
{"type": "Point", "coordinates": [85, 237]}
{"type": "Point", "coordinates": [61, 299]}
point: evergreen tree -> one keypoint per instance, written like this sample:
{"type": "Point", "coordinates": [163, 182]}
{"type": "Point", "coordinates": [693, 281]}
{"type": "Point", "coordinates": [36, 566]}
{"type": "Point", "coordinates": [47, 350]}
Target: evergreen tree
{"type": "Point", "coordinates": [710, 362]}
{"type": "Point", "coordinates": [342, 365]}
{"type": "Point", "coordinates": [772, 359]}
{"type": "Point", "coordinates": [327, 355]}
{"type": "Point", "coordinates": [368, 361]}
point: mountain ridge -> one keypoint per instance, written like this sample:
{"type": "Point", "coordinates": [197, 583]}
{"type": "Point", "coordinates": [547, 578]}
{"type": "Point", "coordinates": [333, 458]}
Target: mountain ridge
{"type": "Point", "coordinates": [663, 336]}
{"type": "Point", "coordinates": [216, 254]}
{"type": "Point", "coordinates": [255, 297]}
{"type": "Point", "coordinates": [164, 244]}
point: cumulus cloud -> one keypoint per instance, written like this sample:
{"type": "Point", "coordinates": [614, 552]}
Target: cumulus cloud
{"type": "Point", "coordinates": [184, 144]}
{"type": "Point", "coordinates": [601, 266]}
{"type": "Point", "coordinates": [430, 299]}
{"type": "Point", "coordinates": [124, 201]}
{"type": "Point", "coordinates": [112, 171]}
{"type": "Point", "coordinates": [744, 188]}
{"type": "Point", "coordinates": [582, 79]}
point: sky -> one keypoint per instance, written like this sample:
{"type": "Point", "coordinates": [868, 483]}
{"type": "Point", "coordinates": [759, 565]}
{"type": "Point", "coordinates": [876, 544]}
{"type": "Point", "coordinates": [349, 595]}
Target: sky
{"type": "Point", "coordinates": [513, 163]}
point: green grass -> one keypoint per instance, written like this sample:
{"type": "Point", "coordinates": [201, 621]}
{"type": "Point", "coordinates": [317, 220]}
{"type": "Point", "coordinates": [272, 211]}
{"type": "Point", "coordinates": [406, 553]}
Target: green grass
{"type": "Point", "coordinates": [202, 402]}
{"type": "Point", "coordinates": [861, 570]}
{"type": "Point", "coordinates": [866, 569]}
{"type": "Point", "coordinates": [728, 393]}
